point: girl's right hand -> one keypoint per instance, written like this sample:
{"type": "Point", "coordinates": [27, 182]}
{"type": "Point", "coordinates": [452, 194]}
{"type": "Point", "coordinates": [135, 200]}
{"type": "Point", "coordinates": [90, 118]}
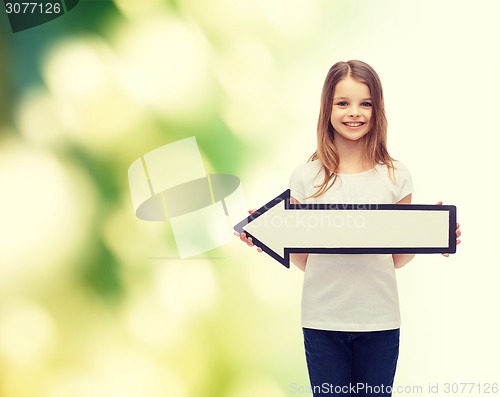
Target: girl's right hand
{"type": "Point", "coordinates": [248, 240]}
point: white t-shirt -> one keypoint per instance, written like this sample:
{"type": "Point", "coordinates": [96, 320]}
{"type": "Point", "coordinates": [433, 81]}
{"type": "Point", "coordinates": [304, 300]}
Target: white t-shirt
{"type": "Point", "coordinates": [351, 292]}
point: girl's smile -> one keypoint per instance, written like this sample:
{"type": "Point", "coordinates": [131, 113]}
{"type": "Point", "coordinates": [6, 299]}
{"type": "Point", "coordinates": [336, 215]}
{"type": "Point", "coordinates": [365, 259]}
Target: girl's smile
{"type": "Point", "coordinates": [353, 125]}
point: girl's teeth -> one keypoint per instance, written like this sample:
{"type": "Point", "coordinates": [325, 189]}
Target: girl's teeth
{"type": "Point", "coordinates": [353, 124]}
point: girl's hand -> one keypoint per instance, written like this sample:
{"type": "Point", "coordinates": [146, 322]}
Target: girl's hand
{"type": "Point", "coordinates": [458, 232]}
{"type": "Point", "coordinates": [248, 240]}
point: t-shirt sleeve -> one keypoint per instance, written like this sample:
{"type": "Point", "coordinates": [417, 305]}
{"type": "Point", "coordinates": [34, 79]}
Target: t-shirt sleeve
{"type": "Point", "coordinates": [296, 185]}
{"type": "Point", "coordinates": [404, 181]}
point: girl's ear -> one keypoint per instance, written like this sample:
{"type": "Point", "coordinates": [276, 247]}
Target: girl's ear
{"type": "Point", "coordinates": [331, 130]}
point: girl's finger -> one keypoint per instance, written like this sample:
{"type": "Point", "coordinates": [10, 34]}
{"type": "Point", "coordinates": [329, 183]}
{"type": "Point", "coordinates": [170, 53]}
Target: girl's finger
{"type": "Point", "coordinates": [248, 240]}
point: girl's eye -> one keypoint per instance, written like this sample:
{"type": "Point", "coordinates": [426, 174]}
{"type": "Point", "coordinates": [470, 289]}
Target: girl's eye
{"type": "Point", "coordinates": [342, 103]}
{"type": "Point", "coordinates": [366, 104]}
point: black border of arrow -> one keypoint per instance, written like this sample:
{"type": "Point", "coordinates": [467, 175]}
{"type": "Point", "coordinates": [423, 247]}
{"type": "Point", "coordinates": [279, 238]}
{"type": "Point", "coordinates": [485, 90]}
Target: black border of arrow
{"type": "Point", "coordinates": [285, 196]}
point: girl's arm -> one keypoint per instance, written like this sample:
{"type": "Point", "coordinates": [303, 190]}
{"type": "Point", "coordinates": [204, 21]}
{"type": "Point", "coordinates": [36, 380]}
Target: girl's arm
{"type": "Point", "coordinates": [298, 260]}
{"type": "Point", "coordinates": [402, 259]}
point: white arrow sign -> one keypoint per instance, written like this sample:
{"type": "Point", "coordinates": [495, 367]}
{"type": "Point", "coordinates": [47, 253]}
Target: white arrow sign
{"type": "Point", "coordinates": [281, 228]}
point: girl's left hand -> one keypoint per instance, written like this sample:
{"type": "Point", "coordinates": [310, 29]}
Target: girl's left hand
{"type": "Point", "coordinates": [458, 232]}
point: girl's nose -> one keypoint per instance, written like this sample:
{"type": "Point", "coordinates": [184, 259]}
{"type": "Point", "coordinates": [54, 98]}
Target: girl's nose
{"type": "Point", "coordinates": [354, 112]}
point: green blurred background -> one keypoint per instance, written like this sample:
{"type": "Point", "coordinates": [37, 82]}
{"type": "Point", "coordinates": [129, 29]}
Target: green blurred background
{"type": "Point", "coordinates": [93, 301]}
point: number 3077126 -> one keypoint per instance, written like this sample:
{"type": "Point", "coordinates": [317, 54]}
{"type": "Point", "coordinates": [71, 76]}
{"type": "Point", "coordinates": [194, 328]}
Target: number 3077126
{"type": "Point", "coordinates": [33, 8]}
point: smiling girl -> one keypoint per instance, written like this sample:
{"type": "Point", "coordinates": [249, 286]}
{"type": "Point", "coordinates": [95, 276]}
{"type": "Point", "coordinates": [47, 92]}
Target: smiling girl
{"type": "Point", "coordinates": [350, 308]}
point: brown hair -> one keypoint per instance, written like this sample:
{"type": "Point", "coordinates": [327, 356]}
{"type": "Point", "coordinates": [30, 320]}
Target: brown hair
{"type": "Point", "coordinates": [374, 143]}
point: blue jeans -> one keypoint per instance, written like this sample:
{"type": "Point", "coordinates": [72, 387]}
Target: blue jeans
{"type": "Point", "coordinates": [360, 364]}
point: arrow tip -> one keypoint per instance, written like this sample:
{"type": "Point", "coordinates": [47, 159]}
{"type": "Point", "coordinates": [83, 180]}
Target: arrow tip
{"type": "Point", "coordinates": [280, 254]}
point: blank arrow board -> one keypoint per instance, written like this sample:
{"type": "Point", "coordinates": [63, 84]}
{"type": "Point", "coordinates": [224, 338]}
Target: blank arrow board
{"type": "Point", "coordinates": [281, 228]}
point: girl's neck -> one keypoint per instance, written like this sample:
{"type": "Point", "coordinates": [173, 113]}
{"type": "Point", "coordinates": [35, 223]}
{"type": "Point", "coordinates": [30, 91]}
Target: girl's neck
{"type": "Point", "coordinates": [352, 159]}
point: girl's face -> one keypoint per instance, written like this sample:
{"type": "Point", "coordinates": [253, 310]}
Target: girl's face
{"type": "Point", "coordinates": [352, 110]}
